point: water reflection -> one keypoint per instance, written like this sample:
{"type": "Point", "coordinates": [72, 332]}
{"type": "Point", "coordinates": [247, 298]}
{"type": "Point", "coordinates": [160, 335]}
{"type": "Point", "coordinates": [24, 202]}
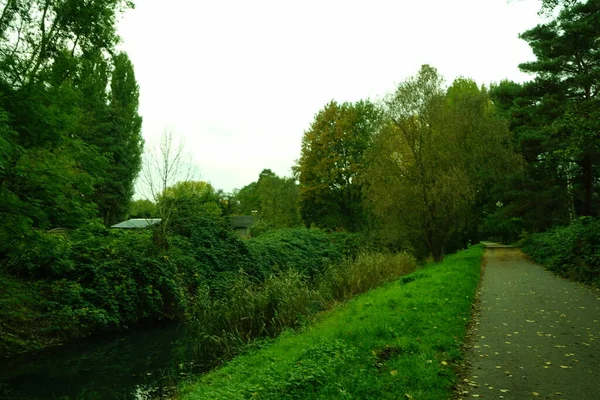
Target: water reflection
{"type": "Point", "coordinates": [141, 365]}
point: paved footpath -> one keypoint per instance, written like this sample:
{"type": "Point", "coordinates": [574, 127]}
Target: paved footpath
{"type": "Point", "coordinates": [537, 336]}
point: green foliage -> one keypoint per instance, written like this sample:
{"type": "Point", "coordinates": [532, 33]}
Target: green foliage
{"type": "Point", "coordinates": [272, 199]}
{"type": "Point", "coordinates": [278, 202]}
{"type": "Point", "coordinates": [554, 118]}
{"type": "Point", "coordinates": [122, 143]}
{"type": "Point", "coordinates": [305, 250]}
{"type": "Point", "coordinates": [331, 165]}
{"type": "Point", "coordinates": [142, 209]}
{"type": "Point", "coordinates": [433, 160]}
{"type": "Point", "coordinates": [572, 251]}
{"type": "Point", "coordinates": [398, 340]}
{"type": "Point", "coordinates": [41, 256]}
{"type": "Point", "coordinates": [215, 248]}
{"type": "Point", "coordinates": [99, 279]}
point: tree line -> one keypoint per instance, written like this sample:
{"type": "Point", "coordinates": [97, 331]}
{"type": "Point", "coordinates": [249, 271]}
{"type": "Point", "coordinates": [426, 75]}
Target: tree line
{"type": "Point", "coordinates": [428, 167]}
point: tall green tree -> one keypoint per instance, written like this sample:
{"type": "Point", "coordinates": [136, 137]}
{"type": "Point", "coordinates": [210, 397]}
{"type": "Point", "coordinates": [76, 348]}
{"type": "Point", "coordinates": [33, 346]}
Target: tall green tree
{"type": "Point", "coordinates": [433, 159]}
{"type": "Point", "coordinates": [331, 163]}
{"type": "Point", "coordinates": [278, 201]}
{"type": "Point", "coordinates": [568, 68]}
{"type": "Point", "coordinates": [49, 167]}
{"type": "Point", "coordinates": [121, 141]}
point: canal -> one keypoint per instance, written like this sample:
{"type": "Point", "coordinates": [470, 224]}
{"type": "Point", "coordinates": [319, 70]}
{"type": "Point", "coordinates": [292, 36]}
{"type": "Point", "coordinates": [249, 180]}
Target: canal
{"type": "Point", "coordinates": [141, 365]}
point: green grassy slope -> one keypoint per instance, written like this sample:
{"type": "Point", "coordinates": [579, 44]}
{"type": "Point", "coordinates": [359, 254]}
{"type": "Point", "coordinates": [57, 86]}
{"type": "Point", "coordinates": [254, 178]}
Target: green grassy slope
{"type": "Point", "coordinates": [398, 341]}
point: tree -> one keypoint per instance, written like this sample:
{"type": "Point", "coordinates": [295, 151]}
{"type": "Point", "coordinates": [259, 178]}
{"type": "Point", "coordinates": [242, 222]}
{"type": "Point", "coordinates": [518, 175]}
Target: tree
{"type": "Point", "coordinates": [331, 163]}
{"type": "Point", "coordinates": [273, 199]}
{"type": "Point", "coordinates": [568, 66]}
{"type": "Point", "coordinates": [51, 169]}
{"type": "Point", "coordinates": [431, 161]}
{"type": "Point", "coordinates": [542, 195]}
{"type": "Point", "coordinates": [189, 199]}
{"type": "Point", "coordinates": [142, 208]}
{"type": "Point", "coordinates": [278, 201]}
{"type": "Point", "coordinates": [121, 141]}
{"type": "Point", "coordinates": [247, 199]}
{"type": "Point", "coordinates": [164, 165]}
{"type": "Point", "coordinates": [550, 5]}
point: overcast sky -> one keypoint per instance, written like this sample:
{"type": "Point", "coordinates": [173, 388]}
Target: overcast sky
{"type": "Point", "coordinates": [241, 81]}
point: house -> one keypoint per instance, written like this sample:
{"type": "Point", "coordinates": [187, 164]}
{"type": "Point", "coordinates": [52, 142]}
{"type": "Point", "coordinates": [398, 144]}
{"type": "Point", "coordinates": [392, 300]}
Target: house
{"type": "Point", "coordinates": [241, 224]}
{"type": "Point", "coordinates": [137, 223]}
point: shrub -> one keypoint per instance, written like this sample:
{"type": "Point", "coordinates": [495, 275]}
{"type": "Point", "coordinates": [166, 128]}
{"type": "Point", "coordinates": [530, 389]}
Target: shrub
{"type": "Point", "coordinates": [308, 251]}
{"type": "Point", "coordinates": [40, 255]}
{"type": "Point", "coordinates": [572, 251]}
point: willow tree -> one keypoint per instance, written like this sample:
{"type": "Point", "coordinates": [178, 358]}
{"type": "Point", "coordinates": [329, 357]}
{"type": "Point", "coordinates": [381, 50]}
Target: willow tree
{"type": "Point", "coordinates": [432, 160]}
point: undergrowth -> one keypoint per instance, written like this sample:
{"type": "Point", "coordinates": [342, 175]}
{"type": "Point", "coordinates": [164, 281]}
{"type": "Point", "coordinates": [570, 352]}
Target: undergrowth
{"type": "Point", "coordinates": [248, 310]}
{"type": "Point", "coordinates": [572, 251]}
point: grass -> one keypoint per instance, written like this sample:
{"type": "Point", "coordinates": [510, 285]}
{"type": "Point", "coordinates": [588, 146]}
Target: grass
{"type": "Point", "coordinates": [248, 310]}
{"type": "Point", "coordinates": [399, 341]}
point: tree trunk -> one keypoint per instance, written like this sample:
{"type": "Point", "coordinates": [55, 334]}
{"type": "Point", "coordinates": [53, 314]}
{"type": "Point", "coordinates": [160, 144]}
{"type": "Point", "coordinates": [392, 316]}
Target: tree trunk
{"type": "Point", "coordinates": [588, 181]}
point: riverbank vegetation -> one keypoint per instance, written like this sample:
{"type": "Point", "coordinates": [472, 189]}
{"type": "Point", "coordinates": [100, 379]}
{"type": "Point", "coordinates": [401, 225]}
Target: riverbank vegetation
{"type": "Point", "coordinates": [96, 279]}
{"type": "Point", "coordinates": [401, 340]}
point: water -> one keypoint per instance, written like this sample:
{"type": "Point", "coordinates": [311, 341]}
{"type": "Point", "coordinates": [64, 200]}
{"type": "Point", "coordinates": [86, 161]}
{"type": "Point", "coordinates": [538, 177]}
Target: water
{"type": "Point", "coordinates": [140, 365]}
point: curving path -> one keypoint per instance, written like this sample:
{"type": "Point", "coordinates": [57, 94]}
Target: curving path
{"type": "Point", "coordinates": [535, 336]}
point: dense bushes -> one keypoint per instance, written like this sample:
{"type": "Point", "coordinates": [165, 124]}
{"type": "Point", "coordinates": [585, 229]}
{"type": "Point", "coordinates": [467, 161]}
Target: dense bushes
{"type": "Point", "coordinates": [306, 250]}
{"type": "Point", "coordinates": [572, 251]}
{"type": "Point", "coordinates": [98, 279]}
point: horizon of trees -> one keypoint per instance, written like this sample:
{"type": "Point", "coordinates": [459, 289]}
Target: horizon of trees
{"type": "Point", "coordinates": [429, 167]}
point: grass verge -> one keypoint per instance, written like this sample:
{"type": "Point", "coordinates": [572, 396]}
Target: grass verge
{"type": "Point", "coordinates": [399, 341]}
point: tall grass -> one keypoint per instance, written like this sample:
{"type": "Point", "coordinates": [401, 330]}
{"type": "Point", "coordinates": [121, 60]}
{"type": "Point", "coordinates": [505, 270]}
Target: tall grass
{"type": "Point", "coordinates": [246, 310]}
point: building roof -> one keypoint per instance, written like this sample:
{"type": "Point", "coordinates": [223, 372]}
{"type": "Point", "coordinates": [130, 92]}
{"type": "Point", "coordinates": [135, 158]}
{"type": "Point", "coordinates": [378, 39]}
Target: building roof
{"type": "Point", "coordinates": [242, 221]}
{"type": "Point", "coordinates": [137, 223]}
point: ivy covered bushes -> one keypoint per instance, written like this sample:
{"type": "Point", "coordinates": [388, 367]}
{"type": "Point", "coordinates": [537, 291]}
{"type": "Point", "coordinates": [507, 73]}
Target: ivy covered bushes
{"type": "Point", "coordinates": [572, 251]}
{"type": "Point", "coordinates": [97, 279]}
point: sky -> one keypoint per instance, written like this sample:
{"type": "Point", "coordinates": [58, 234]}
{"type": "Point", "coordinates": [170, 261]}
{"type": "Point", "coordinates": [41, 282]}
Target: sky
{"type": "Point", "coordinates": [239, 82]}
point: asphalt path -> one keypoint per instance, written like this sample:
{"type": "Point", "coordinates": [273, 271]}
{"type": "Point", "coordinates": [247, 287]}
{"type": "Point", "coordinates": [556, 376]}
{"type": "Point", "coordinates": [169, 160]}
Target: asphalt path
{"type": "Point", "coordinates": [534, 335]}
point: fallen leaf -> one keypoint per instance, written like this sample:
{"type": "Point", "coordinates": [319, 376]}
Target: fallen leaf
{"type": "Point", "coordinates": [535, 394]}
{"type": "Point", "coordinates": [394, 372]}
{"type": "Point", "coordinates": [504, 390]}
{"type": "Point", "coordinates": [444, 363]}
